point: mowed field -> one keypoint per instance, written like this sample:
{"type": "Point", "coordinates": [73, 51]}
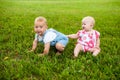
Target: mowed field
{"type": "Point", "coordinates": [17, 35]}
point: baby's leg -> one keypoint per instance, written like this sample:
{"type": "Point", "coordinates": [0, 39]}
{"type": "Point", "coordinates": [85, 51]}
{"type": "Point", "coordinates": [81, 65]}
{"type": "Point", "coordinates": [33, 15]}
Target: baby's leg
{"type": "Point", "coordinates": [59, 47]}
{"type": "Point", "coordinates": [95, 51]}
{"type": "Point", "coordinates": [77, 49]}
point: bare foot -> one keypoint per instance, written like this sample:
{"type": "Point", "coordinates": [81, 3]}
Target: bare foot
{"type": "Point", "coordinates": [74, 57]}
{"type": "Point", "coordinates": [41, 55]}
{"type": "Point", "coordinates": [31, 51]}
{"type": "Point", "coordinates": [95, 54]}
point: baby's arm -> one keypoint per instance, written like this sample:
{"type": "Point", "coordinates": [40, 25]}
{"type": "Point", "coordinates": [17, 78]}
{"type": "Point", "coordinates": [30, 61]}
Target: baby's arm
{"type": "Point", "coordinates": [98, 43]}
{"type": "Point", "coordinates": [96, 50]}
{"type": "Point", "coordinates": [73, 36]}
{"type": "Point", "coordinates": [46, 48]}
{"type": "Point", "coordinates": [34, 45]}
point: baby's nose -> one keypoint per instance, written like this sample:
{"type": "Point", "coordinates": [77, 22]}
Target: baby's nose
{"type": "Point", "coordinates": [83, 27]}
{"type": "Point", "coordinates": [39, 28]}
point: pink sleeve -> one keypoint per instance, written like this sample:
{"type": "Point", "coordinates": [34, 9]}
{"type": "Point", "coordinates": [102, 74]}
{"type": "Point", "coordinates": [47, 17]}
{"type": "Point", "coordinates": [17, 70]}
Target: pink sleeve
{"type": "Point", "coordinates": [97, 34]}
{"type": "Point", "coordinates": [79, 32]}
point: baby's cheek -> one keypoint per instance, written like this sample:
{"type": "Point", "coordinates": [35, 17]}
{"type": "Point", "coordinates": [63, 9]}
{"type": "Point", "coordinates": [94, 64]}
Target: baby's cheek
{"type": "Point", "coordinates": [35, 30]}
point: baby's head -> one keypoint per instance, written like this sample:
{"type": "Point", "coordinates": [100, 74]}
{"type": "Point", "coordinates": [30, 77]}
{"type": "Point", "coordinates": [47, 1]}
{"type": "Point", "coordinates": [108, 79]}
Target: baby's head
{"type": "Point", "coordinates": [40, 25]}
{"type": "Point", "coordinates": [88, 23]}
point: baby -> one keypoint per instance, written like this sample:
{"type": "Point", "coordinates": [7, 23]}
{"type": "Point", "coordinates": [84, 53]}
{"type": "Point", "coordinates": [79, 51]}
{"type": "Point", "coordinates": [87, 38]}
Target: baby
{"type": "Point", "coordinates": [49, 37]}
{"type": "Point", "coordinates": [87, 39]}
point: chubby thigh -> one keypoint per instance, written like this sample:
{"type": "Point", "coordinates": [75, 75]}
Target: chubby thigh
{"type": "Point", "coordinates": [60, 45]}
{"type": "Point", "coordinates": [94, 49]}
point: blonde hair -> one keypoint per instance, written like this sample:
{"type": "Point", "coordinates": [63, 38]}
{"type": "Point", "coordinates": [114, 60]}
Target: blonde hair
{"type": "Point", "coordinates": [89, 19]}
{"type": "Point", "coordinates": [40, 19]}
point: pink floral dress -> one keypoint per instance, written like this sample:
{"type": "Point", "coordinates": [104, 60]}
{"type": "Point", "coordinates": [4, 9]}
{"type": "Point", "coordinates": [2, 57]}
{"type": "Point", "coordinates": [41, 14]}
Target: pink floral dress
{"type": "Point", "coordinates": [87, 40]}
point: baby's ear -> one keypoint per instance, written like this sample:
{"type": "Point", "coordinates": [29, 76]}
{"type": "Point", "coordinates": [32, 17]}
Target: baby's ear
{"type": "Point", "coordinates": [46, 26]}
{"type": "Point", "coordinates": [91, 25]}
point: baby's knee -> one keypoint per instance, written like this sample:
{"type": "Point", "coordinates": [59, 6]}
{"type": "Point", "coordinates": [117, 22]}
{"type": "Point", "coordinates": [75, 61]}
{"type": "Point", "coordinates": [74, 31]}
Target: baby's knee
{"type": "Point", "coordinates": [95, 50]}
{"type": "Point", "coordinates": [59, 47]}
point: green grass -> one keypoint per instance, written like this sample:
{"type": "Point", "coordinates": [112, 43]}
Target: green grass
{"type": "Point", "coordinates": [16, 36]}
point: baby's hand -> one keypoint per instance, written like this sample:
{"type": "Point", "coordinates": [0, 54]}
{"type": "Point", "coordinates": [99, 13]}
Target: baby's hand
{"type": "Point", "coordinates": [41, 55]}
{"type": "Point", "coordinates": [31, 51]}
{"type": "Point", "coordinates": [67, 36]}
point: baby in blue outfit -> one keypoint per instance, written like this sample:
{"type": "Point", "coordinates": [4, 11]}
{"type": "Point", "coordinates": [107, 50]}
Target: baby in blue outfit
{"type": "Point", "coordinates": [49, 37]}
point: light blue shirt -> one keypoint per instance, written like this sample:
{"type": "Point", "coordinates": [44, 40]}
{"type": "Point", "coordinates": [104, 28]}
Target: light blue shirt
{"type": "Point", "coordinates": [53, 37]}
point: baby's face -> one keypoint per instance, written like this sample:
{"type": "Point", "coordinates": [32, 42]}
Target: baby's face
{"type": "Point", "coordinates": [40, 28]}
{"type": "Point", "coordinates": [87, 25]}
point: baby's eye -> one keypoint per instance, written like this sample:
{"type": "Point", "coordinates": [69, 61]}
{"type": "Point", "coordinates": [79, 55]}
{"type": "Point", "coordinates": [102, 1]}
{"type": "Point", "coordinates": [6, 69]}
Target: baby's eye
{"type": "Point", "coordinates": [83, 24]}
{"type": "Point", "coordinates": [36, 26]}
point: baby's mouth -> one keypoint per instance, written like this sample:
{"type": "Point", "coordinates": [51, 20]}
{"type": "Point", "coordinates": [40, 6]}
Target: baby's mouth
{"type": "Point", "coordinates": [39, 33]}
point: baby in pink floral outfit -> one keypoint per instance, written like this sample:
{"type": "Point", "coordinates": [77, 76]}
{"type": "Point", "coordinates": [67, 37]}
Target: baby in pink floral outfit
{"type": "Point", "coordinates": [87, 39]}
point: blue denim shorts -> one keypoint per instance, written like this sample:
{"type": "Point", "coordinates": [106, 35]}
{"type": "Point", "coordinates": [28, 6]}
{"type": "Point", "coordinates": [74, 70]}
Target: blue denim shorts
{"type": "Point", "coordinates": [62, 39]}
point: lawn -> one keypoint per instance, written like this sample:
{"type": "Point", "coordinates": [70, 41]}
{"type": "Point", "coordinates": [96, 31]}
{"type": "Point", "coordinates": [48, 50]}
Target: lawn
{"type": "Point", "coordinates": [17, 34]}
